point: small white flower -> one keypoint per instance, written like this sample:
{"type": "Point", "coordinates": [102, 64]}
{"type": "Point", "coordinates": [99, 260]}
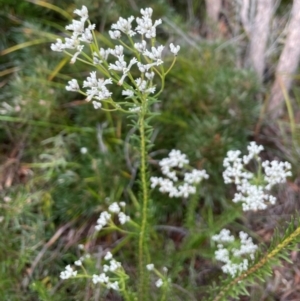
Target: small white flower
{"type": "Point", "coordinates": [123, 218]}
{"type": "Point", "coordinates": [114, 208]}
{"type": "Point", "coordinates": [126, 70]}
{"type": "Point", "coordinates": [145, 25]}
{"type": "Point", "coordinates": [98, 88]}
{"type": "Point", "coordinates": [118, 51]}
{"type": "Point", "coordinates": [175, 159]}
{"type": "Point", "coordinates": [174, 49]}
{"type": "Point", "coordinates": [272, 199]}
{"type": "Point", "coordinates": [159, 283]}
{"type": "Point", "coordinates": [155, 181]}
{"type": "Point", "coordinates": [87, 36]}
{"type": "Point", "coordinates": [124, 26]}
{"type": "Point", "coordinates": [108, 256]}
{"type": "Point", "coordinates": [102, 220]}
{"type": "Point", "coordinates": [96, 104]}
{"type": "Point", "coordinates": [147, 12]}
{"type": "Point", "coordinates": [75, 55]}
{"type": "Point", "coordinates": [71, 43]}
{"type": "Point", "coordinates": [128, 93]}
{"type": "Point", "coordinates": [78, 262]}
{"type": "Point", "coordinates": [119, 65]}
{"type": "Point", "coordinates": [155, 53]}
{"type": "Point", "coordinates": [72, 85]}
{"type": "Point", "coordinates": [196, 176]}
{"type": "Point", "coordinates": [113, 285]}
{"type": "Point", "coordinates": [98, 227]}
{"type": "Point", "coordinates": [114, 34]}
{"type": "Point", "coordinates": [114, 265]}
{"type": "Point", "coordinates": [224, 236]}
{"type": "Point", "coordinates": [83, 13]}
{"type": "Point", "coordinates": [141, 84]}
{"type": "Point", "coordinates": [102, 278]}
{"type": "Point", "coordinates": [150, 266]}
{"type": "Point", "coordinates": [141, 47]}
{"type": "Point", "coordinates": [105, 268]}
{"type": "Point", "coordinates": [77, 27]}
{"type": "Point", "coordinates": [254, 150]}
{"type": "Point", "coordinates": [81, 246]}
{"type": "Point", "coordinates": [234, 169]}
{"type": "Point", "coordinates": [104, 53]}
{"type": "Point", "coordinates": [83, 150]}
{"type": "Point", "coordinates": [150, 90]}
{"type": "Point", "coordinates": [185, 190]}
{"type": "Point", "coordinates": [142, 67]}
{"type": "Point", "coordinates": [149, 75]}
{"type": "Point", "coordinates": [58, 46]}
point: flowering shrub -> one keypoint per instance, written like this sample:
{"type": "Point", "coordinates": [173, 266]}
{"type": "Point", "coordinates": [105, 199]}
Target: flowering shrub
{"type": "Point", "coordinates": [180, 179]}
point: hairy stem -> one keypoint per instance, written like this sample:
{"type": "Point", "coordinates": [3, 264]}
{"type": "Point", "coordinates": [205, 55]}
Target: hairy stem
{"type": "Point", "coordinates": [260, 264]}
{"type": "Point", "coordinates": [143, 251]}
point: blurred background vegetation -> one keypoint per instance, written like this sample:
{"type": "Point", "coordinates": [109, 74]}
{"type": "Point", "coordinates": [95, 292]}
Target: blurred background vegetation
{"type": "Point", "coordinates": [52, 190]}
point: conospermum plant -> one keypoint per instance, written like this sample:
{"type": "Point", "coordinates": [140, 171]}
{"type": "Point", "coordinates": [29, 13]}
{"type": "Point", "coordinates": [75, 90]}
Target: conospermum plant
{"type": "Point", "coordinates": [136, 52]}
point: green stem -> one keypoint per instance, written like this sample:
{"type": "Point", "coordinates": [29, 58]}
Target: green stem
{"type": "Point", "coordinates": [258, 265]}
{"type": "Point", "coordinates": [164, 294]}
{"type": "Point", "coordinates": [124, 290]}
{"type": "Point", "coordinates": [191, 210]}
{"type": "Point", "coordinates": [143, 285]}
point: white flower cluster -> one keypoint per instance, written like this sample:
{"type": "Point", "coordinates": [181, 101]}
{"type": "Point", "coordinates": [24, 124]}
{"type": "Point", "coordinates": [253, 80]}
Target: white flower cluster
{"type": "Point", "coordinates": [103, 278]}
{"type": "Point", "coordinates": [111, 266]}
{"type": "Point", "coordinates": [69, 272]}
{"type": "Point", "coordinates": [80, 34]}
{"type": "Point", "coordinates": [153, 57]}
{"type": "Point", "coordinates": [276, 172]}
{"type": "Point", "coordinates": [105, 216]}
{"type": "Point", "coordinates": [253, 196]}
{"type": "Point", "coordinates": [171, 167]}
{"type": "Point", "coordinates": [147, 58]}
{"type": "Point", "coordinates": [235, 264]}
